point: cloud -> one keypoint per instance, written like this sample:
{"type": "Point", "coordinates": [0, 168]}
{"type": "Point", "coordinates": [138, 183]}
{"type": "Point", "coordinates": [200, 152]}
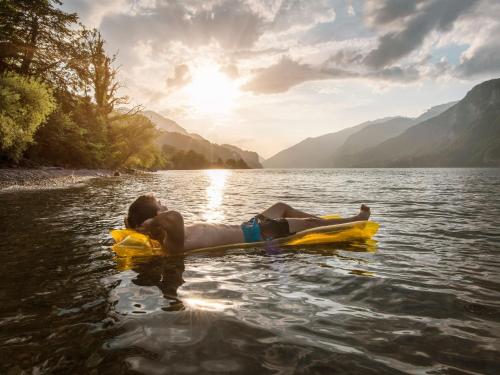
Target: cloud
{"type": "Point", "coordinates": [180, 78]}
{"type": "Point", "coordinates": [403, 52]}
{"type": "Point", "coordinates": [483, 59]}
{"type": "Point", "coordinates": [351, 11]}
{"type": "Point", "coordinates": [415, 26]}
{"type": "Point", "coordinates": [283, 75]}
{"type": "Point", "coordinates": [287, 73]}
{"type": "Point", "coordinates": [397, 74]}
{"type": "Point", "coordinates": [383, 12]}
{"type": "Point", "coordinates": [231, 71]}
{"type": "Point", "coordinates": [227, 27]}
{"type": "Point", "coordinates": [275, 45]}
{"type": "Point", "coordinates": [91, 13]}
{"type": "Point", "coordinates": [345, 57]}
{"type": "Point", "coordinates": [483, 55]}
{"type": "Point", "coordinates": [232, 25]}
{"type": "Point", "coordinates": [301, 14]}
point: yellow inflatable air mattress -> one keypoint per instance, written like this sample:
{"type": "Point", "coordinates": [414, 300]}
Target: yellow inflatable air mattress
{"type": "Point", "coordinates": [131, 243]}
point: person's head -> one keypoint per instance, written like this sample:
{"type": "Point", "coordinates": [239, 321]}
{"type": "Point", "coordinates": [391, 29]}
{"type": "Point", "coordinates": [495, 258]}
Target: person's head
{"type": "Point", "coordinates": [143, 208]}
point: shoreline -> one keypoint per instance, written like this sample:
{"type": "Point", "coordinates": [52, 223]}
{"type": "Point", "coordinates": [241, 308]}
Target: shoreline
{"type": "Point", "coordinates": [13, 179]}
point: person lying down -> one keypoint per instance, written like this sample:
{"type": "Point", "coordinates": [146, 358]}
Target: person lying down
{"type": "Point", "coordinates": [148, 216]}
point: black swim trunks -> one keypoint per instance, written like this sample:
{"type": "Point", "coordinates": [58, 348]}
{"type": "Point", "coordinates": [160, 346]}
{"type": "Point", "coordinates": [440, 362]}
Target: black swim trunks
{"type": "Point", "coordinates": [260, 228]}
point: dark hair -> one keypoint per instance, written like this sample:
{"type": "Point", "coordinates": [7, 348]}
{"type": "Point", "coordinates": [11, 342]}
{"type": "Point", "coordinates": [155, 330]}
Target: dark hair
{"type": "Point", "coordinates": [143, 208]}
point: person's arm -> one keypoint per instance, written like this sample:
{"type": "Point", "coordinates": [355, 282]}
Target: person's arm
{"type": "Point", "coordinates": [172, 223]}
{"type": "Point", "coordinates": [168, 228]}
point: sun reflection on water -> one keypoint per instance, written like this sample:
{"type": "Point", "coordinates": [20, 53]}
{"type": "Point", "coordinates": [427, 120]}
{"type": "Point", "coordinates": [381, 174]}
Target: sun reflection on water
{"type": "Point", "coordinates": [206, 304]}
{"type": "Point", "coordinates": [215, 195]}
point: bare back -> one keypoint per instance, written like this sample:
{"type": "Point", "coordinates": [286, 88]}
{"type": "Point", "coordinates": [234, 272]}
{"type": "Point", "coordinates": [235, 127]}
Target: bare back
{"type": "Point", "coordinates": [199, 235]}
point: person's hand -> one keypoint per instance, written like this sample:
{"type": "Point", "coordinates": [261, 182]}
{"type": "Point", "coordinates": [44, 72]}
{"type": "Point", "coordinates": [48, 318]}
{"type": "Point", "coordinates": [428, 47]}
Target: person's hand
{"type": "Point", "coordinates": [162, 207]}
{"type": "Point", "coordinates": [146, 226]}
{"type": "Point", "coordinates": [167, 228]}
{"type": "Point", "coordinates": [152, 229]}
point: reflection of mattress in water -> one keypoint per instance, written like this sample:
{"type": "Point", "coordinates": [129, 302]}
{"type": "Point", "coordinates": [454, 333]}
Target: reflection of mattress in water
{"type": "Point", "coordinates": [131, 243]}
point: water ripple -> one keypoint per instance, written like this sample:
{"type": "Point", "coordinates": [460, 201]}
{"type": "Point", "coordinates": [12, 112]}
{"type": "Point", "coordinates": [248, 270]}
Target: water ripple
{"type": "Point", "coordinates": [425, 301]}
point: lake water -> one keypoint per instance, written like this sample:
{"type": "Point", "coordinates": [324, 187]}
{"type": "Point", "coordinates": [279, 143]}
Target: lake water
{"type": "Point", "coordinates": [425, 299]}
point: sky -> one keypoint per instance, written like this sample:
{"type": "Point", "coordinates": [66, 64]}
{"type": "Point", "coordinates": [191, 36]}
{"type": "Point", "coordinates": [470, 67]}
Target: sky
{"type": "Point", "coordinates": [266, 74]}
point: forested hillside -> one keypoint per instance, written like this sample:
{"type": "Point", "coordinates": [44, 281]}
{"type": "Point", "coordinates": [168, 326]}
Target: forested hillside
{"type": "Point", "coordinates": [60, 97]}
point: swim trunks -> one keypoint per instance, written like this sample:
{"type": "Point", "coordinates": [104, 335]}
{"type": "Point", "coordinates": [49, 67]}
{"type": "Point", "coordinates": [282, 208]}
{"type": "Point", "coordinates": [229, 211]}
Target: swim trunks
{"type": "Point", "coordinates": [260, 228]}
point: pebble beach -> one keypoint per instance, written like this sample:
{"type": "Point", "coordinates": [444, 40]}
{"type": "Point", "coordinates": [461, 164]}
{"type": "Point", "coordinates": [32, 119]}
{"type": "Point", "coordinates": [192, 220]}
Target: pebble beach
{"type": "Point", "coordinates": [48, 177]}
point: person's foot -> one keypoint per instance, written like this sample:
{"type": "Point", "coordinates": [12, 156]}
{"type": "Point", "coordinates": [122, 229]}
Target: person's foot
{"type": "Point", "coordinates": [364, 212]}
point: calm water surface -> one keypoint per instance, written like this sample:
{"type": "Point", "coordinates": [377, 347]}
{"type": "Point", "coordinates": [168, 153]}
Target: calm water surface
{"type": "Point", "coordinates": [426, 299]}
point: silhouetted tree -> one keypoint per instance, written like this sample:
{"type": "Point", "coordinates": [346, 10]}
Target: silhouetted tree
{"type": "Point", "coordinates": [98, 74]}
{"type": "Point", "coordinates": [189, 160]}
{"type": "Point", "coordinates": [132, 141]}
{"type": "Point", "coordinates": [236, 164]}
{"type": "Point", "coordinates": [35, 38]}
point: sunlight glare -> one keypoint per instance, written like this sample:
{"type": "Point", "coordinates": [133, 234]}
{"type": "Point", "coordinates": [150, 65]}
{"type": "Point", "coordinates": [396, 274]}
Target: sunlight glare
{"type": "Point", "coordinates": [212, 91]}
{"type": "Point", "coordinates": [205, 304]}
{"type": "Point", "coordinates": [215, 193]}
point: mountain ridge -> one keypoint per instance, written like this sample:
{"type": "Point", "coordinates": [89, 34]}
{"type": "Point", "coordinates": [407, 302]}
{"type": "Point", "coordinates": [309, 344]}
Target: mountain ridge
{"type": "Point", "coordinates": [317, 152]}
{"type": "Point", "coordinates": [294, 156]}
{"type": "Point", "coordinates": [465, 135]}
{"type": "Point", "coordinates": [341, 148]}
{"type": "Point", "coordinates": [178, 138]}
{"type": "Point", "coordinates": [375, 134]}
{"type": "Point", "coordinates": [163, 123]}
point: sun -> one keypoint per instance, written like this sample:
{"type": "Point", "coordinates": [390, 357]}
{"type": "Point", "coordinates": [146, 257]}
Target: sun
{"type": "Point", "coordinates": [212, 91]}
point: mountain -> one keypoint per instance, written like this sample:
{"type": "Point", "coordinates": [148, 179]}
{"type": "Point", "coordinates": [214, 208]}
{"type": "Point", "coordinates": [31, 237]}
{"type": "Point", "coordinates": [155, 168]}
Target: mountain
{"type": "Point", "coordinates": [337, 149]}
{"type": "Point", "coordinates": [369, 136]}
{"type": "Point", "coordinates": [465, 135]}
{"type": "Point", "coordinates": [176, 137]}
{"type": "Point", "coordinates": [164, 123]}
{"type": "Point", "coordinates": [311, 152]}
{"type": "Point", "coordinates": [212, 151]}
{"type": "Point", "coordinates": [434, 111]}
{"type": "Point", "coordinates": [250, 157]}
{"type": "Point", "coordinates": [374, 134]}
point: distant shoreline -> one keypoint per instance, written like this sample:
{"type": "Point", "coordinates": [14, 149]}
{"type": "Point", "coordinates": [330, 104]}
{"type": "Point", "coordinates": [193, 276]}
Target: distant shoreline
{"type": "Point", "coordinates": [13, 179]}
{"type": "Point", "coordinates": [16, 179]}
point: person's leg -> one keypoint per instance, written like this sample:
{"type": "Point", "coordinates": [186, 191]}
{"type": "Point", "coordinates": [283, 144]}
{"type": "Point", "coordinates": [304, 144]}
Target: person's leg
{"type": "Point", "coordinates": [283, 210]}
{"type": "Point", "coordinates": [300, 224]}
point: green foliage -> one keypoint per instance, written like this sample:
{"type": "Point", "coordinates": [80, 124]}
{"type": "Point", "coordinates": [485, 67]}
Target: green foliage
{"type": "Point", "coordinates": [24, 104]}
{"type": "Point", "coordinates": [236, 164]}
{"type": "Point", "coordinates": [180, 159]}
{"type": "Point", "coordinates": [189, 160]}
{"type": "Point", "coordinates": [96, 72]}
{"type": "Point", "coordinates": [61, 142]}
{"type": "Point", "coordinates": [131, 143]}
{"type": "Point", "coordinates": [36, 38]}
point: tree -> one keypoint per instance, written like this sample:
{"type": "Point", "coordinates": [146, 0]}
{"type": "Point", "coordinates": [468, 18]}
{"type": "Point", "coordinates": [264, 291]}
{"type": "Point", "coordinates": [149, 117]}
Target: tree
{"type": "Point", "coordinates": [84, 124]}
{"type": "Point", "coordinates": [236, 164]}
{"type": "Point", "coordinates": [99, 76]}
{"type": "Point", "coordinates": [218, 163]}
{"type": "Point", "coordinates": [35, 38]}
{"type": "Point", "coordinates": [98, 86]}
{"type": "Point", "coordinates": [189, 160]}
{"type": "Point", "coordinates": [63, 142]}
{"type": "Point", "coordinates": [131, 143]}
{"type": "Point", "coordinates": [25, 103]}
{"type": "Point", "coordinates": [44, 56]}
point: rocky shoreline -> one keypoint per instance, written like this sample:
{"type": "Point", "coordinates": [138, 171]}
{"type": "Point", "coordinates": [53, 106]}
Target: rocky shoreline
{"type": "Point", "coordinates": [46, 178]}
